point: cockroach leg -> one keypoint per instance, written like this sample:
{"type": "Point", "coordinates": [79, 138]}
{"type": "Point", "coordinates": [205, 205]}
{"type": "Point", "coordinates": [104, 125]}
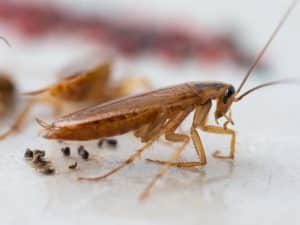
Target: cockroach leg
{"type": "Point", "coordinates": [19, 121]}
{"type": "Point", "coordinates": [170, 126]}
{"type": "Point", "coordinates": [149, 130]}
{"type": "Point", "coordinates": [221, 130]}
{"type": "Point", "coordinates": [200, 117]}
{"type": "Point", "coordinates": [171, 137]}
{"type": "Point", "coordinates": [130, 160]}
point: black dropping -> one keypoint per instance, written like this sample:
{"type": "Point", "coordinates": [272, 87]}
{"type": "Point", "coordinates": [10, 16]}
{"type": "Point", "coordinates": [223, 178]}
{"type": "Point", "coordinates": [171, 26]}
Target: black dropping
{"type": "Point", "coordinates": [83, 152]}
{"type": "Point", "coordinates": [100, 143]}
{"type": "Point", "coordinates": [73, 166]}
{"type": "Point", "coordinates": [66, 151]}
{"type": "Point", "coordinates": [39, 152]}
{"type": "Point", "coordinates": [112, 142]}
{"type": "Point", "coordinates": [48, 171]}
{"type": "Point", "coordinates": [39, 161]}
{"type": "Point", "coordinates": [28, 154]}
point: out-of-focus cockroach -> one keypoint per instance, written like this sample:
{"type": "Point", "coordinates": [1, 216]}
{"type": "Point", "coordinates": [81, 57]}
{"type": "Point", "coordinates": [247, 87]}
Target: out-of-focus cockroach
{"type": "Point", "coordinates": [7, 88]}
{"type": "Point", "coordinates": [7, 93]}
{"type": "Point", "coordinates": [81, 89]}
{"type": "Point", "coordinates": [158, 113]}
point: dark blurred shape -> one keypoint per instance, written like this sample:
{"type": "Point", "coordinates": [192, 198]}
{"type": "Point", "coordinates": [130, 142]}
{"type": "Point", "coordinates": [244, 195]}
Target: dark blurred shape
{"type": "Point", "coordinates": [173, 43]}
{"type": "Point", "coordinates": [7, 93]}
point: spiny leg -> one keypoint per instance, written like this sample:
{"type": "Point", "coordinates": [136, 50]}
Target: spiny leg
{"type": "Point", "coordinates": [133, 157]}
{"type": "Point", "coordinates": [168, 164]}
{"type": "Point", "coordinates": [221, 130]}
{"type": "Point", "coordinates": [200, 117]}
{"type": "Point", "coordinates": [19, 121]}
{"type": "Point", "coordinates": [171, 136]}
{"type": "Point", "coordinates": [130, 160]}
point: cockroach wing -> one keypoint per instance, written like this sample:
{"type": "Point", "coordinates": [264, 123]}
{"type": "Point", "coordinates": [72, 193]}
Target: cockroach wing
{"type": "Point", "coordinates": [153, 100]}
{"type": "Point", "coordinates": [134, 104]}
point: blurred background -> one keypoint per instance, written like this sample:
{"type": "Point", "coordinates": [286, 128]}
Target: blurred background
{"type": "Point", "coordinates": [165, 42]}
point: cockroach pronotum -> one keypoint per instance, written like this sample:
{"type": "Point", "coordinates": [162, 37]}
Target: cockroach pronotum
{"type": "Point", "coordinates": [87, 87]}
{"type": "Point", "coordinates": [160, 112]}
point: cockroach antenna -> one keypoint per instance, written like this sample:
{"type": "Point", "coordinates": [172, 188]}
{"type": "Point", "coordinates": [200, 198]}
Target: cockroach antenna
{"type": "Point", "coordinates": [6, 41]}
{"type": "Point", "coordinates": [271, 83]}
{"type": "Point", "coordinates": [262, 52]}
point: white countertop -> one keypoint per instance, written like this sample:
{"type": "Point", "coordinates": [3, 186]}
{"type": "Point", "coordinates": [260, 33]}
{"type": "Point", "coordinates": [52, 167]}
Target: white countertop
{"type": "Point", "coordinates": [262, 185]}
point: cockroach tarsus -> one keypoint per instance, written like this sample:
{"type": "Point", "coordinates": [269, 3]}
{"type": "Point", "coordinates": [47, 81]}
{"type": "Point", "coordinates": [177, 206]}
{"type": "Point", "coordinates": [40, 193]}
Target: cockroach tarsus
{"type": "Point", "coordinates": [91, 86]}
{"type": "Point", "coordinates": [160, 112]}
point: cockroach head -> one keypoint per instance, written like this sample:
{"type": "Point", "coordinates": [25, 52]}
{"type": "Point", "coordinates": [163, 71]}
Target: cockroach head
{"type": "Point", "coordinates": [224, 101]}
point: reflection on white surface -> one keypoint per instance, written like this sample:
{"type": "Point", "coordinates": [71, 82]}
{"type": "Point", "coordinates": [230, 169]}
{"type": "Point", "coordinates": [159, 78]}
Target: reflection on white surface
{"type": "Point", "coordinates": [261, 186]}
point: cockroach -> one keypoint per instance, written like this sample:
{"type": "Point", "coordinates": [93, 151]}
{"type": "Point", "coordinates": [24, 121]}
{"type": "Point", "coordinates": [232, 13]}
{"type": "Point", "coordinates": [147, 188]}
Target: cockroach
{"type": "Point", "coordinates": [160, 112]}
{"type": "Point", "coordinates": [91, 86]}
{"type": "Point", "coordinates": [7, 93]}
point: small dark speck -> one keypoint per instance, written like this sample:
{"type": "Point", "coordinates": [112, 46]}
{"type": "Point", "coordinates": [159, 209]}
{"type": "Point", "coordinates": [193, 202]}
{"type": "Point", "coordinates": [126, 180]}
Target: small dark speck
{"type": "Point", "coordinates": [73, 166]}
{"type": "Point", "coordinates": [100, 143]}
{"type": "Point", "coordinates": [112, 142]}
{"type": "Point", "coordinates": [39, 152]}
{"type": "Point", "coordinates": [83, 152]}
{"type": "Point", "coordinates": [48, 171]}
{"type": "Point", "coordinates": [66, 151]}
{"type": "Point", "coordinates": [28, 154]}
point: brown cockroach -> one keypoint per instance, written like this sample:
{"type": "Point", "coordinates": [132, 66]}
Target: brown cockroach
{"type": "Point", "coordinates": [91, 86]}
{"type": "Point", "coordinates": [7, 93]}
{"type": "Point", "coordinates": [160, 112]}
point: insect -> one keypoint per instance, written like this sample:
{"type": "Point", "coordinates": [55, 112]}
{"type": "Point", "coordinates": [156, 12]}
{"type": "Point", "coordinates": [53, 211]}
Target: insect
{"type": "Point", "coordinates": [160, 112]}
{"type": "Point", "coordinates": [91, 86]}
{"type": "Point", "coordinates": [7, 93]}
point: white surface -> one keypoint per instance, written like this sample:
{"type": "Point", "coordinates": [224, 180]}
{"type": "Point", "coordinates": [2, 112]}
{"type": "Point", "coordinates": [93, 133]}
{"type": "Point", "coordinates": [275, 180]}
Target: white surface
{"type": "Point", "coordinates": [261, 186]}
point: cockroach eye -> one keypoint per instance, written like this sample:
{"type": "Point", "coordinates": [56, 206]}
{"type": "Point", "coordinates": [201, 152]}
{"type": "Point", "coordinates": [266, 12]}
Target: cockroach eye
{"type": "Point", "coordinates": [229, 92]}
